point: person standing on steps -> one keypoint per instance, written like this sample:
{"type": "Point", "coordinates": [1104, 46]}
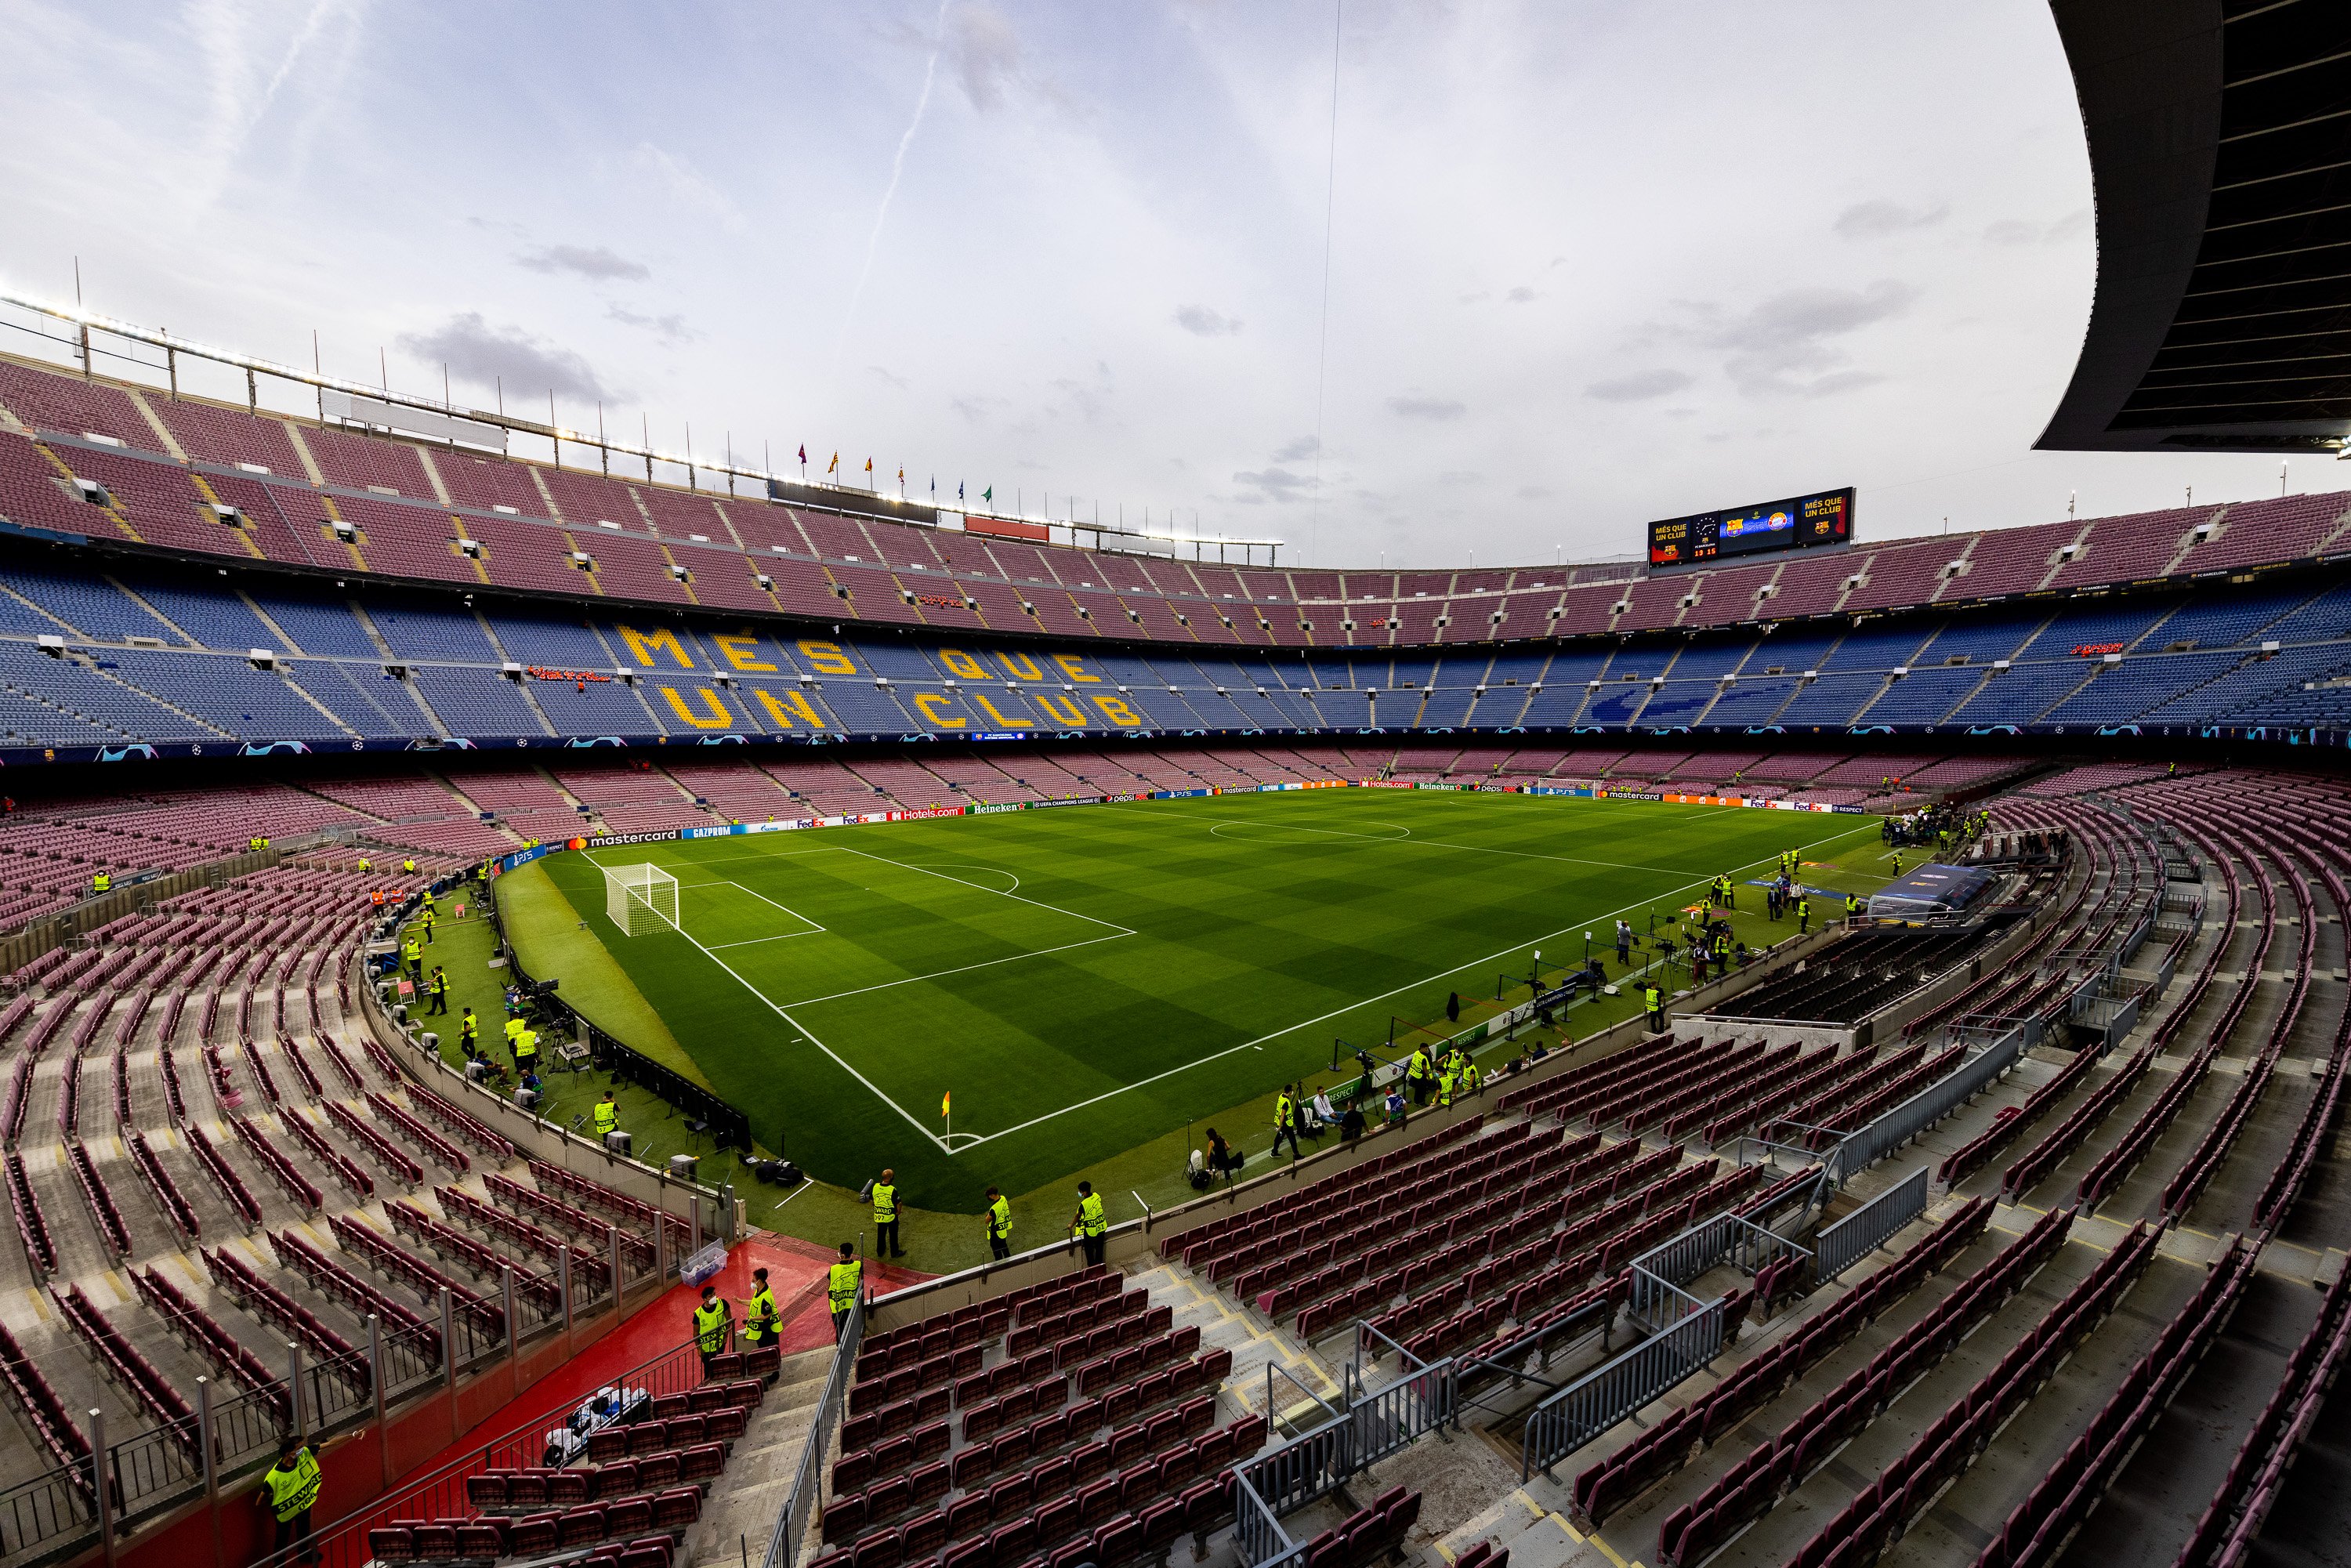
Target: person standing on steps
{"type": "Point", "coordinates": [759, 1314]}
{"type": "Point", "coordinates": [842, 1282]}
{"type": "Point", "coordinates": [885, 1217]}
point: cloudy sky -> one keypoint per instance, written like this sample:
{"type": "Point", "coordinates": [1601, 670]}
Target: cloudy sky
{"type": "Point", "coordinates": [1587, 263]}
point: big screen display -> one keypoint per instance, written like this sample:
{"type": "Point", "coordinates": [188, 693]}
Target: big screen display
{"type": "Point", "coordinates": [1823, 518]}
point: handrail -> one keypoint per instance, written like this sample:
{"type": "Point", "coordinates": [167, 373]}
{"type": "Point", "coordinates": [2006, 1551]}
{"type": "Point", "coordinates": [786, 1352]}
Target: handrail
{"type": "Point", "coordinates": [808, 1485]}
{"type": "Point", "coordinates": [344, 1541]}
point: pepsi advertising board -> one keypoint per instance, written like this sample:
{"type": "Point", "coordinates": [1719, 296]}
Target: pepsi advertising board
{"type": "Point", "coordinates": [1823, 517]}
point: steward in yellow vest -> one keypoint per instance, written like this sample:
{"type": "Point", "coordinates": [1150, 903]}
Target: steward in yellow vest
{"type": "Point", "coordinates": [842, 1282]}
{"type": "Point", "coordinates": [999, 1225]}
{"type": "Point", "coordinates": [712, 1320]}
{"type": "Point", "coordinates": [759, 1313]}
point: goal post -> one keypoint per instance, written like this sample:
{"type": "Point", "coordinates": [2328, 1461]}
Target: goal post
{"type": "Point", "coordinates": [640, 898]}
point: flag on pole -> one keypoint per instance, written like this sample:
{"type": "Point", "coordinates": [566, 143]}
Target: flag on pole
{"type": "Point", "coordinates": [835, 466]}
{"type": "Point", "coordinates": [943, 1100]}
{"type": "Point", "coordinates": [988, 495]}
{"type": "Point", "coordinates": [869, 465]}
{"type": "Point", "coordinates": [958, 489]}
{"type": "Point", "coordinates": [934, 484]}
{"type": "Point", "coordinates": [901, 473]}
{"type": "Point", "coordinates": [803, 454]}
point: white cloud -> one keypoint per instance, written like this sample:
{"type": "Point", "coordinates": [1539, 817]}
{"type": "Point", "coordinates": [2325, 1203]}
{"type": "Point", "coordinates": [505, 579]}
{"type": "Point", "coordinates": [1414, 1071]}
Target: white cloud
{"type": "Point", "coordinates": [597, 264]}
{"type": "Point", "coordinates": [1882, 219]}
{"type": "Point", "coordinates": [1639, 386]}
{"type": "Point", "coordinates": [526, 364]}
{"type": "Point", "coordinates": [1202, 322]}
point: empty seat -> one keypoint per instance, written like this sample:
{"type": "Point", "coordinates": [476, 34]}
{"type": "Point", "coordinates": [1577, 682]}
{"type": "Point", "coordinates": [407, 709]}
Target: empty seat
{"type": "Point", "coordinates": [482, 1540]}
{"type": "Point", "coordinates": [923, 1535]}
{"type": "Point", "coordinates": [1117, 1541]}
{"type": "Point", "coordinates": [578, 1526]}
{"type": "Point", "coordinates": [534, 1536]}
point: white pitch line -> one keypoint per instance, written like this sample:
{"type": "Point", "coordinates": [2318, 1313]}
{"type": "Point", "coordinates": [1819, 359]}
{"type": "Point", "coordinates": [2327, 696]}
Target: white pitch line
{"type": "Point", "coordinates": [1350, 1006]}
{"type": "Point", "coordinates": [872, 1087]}
{"type": "Point", "coordinates": [962, 969]}
{"type": "Point", "coordinates": [755, 941]}
{"type": "Point", "coordinates": [979, 887]}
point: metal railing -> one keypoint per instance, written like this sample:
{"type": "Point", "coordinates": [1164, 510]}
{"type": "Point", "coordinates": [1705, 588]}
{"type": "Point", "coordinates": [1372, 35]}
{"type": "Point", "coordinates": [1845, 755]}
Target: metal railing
{"type": "Point", "coordinates": [1318, 1461]}
{"type": "Point", "coordinates": [1583, 1409]}
{"type": "Point", "coordinates": [48, 1508]}
{"type": "Point", "coordinates": [1866, 1147]}
{"type": "Point", "coordinates": [808, 1486]}
{"type": "Point", "coordinates": [1657, 1299]}
{"type": "Point", "coordinates": [441, 1494]}
{"type": "Point", "coordinates": [1840, 1245]}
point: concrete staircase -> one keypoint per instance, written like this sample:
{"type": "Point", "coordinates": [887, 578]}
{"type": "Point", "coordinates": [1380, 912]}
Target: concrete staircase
{"type": "Point", "coordinates": [743, 1505]}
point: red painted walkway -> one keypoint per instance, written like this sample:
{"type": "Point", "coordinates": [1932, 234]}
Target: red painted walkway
{"type": "Point", "coordinates": [796, 1274]}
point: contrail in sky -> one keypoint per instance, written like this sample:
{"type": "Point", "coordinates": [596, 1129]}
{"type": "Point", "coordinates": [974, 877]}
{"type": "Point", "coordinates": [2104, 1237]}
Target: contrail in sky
{"type": "Point", "coordinates": [897, 167]}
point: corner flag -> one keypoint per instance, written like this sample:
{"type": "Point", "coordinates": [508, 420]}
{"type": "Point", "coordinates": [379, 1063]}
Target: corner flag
{"type": "Point", "coordinates": [943, 1099]}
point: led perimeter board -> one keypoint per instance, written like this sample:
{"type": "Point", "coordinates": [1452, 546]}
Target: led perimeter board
{"type": "Point", "coordinates": [1823, 517]}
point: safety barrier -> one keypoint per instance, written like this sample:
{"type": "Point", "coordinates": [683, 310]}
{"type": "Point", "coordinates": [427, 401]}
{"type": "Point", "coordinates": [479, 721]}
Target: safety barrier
{"type": "Point", "coordinates": [1319, 1461]}
{"type": "Point", "coordinates": [157, 1469]}
{"type": "Point", "coordinates": [808, 1486]}
{"type": "Point", "coordinates": [1864, 1148]}
{"type": "Point", "coordinates": [2111, 1009]}
{"type": "Point", "coordinates": [1840, 1245]}
{"type": "Point", "coordinates": [1583, 1409]}
{"type": "Point", "coordinates": [1657, 1299]}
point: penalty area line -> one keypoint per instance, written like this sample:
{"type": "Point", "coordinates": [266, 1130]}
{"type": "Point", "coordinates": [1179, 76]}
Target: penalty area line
{"type": "Point", "coordinates": [810, 1036]}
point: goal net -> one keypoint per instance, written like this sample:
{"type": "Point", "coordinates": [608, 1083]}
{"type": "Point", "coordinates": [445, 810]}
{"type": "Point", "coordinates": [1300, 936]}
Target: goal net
{"type": "Point", "coordinates": [640, 898]}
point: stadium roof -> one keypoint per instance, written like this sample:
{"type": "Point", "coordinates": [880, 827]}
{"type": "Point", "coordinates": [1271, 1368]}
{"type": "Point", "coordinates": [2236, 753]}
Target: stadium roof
{"type": "Point", "coordinates": [2219, 139]}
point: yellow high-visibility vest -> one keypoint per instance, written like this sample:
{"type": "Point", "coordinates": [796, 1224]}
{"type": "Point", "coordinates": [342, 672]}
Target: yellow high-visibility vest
{"type": "Point", "coordinates": [999, 1219]}
{"type": "Point", "coordinates": [292, 1492]}
{"type": "Point", "coordinates": [710, 1327]}
{"type": "Point", "coordinates": [841, 1284]}
{"type": "Point", "coordinates": [608, 1116]}
{"type": "Point", "coordinates": [885, 1202]}
{"type": "Point", "coordinates": [759, 1316]}
{"type": "Point", "coordinates": [1091, 1221]}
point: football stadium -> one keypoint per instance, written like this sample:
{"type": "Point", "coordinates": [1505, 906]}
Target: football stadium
{"type": "Point", "coordinates": [565, 1001]}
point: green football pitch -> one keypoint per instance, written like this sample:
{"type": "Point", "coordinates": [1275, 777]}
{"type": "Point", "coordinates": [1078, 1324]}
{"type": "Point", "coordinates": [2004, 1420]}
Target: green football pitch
{"type": "Point", "coordinates": [1080, 981]}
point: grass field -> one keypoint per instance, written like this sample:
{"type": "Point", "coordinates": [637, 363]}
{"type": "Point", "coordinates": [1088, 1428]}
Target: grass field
{"type": "Point", "coordinates": [1083, 981]}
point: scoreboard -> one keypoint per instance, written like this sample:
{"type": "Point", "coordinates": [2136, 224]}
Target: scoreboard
{"type": "Point", "coordinates": [1823, 517]}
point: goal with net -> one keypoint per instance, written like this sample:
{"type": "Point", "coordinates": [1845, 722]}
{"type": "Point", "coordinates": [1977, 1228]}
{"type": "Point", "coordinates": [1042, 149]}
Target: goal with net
{"type": "Point", "coordinates": [640, 898]}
